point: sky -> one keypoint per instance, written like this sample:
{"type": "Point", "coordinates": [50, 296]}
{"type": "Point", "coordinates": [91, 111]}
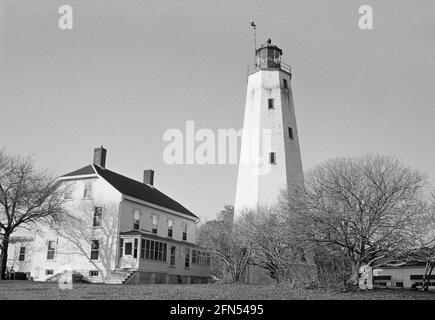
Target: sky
{"type": "Point", "coordinates": [130, 70]}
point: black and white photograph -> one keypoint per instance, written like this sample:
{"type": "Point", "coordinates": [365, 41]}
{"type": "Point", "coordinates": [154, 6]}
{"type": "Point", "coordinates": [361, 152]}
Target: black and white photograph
{"type": "Point", "coordinates": [212, 156]}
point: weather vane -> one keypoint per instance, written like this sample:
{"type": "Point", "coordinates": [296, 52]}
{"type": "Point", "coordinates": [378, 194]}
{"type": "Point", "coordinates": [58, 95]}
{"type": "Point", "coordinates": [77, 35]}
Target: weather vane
{"type": "Point", "coordinates": [255, 36]}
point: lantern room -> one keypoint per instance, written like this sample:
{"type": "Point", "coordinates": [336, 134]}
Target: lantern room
{"type": "Point", "coordinates": [268, 56]}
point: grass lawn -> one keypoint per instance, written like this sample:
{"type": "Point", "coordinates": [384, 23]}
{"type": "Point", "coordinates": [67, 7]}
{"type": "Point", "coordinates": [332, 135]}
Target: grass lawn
{"type": "Point", "coordinates": [34, 290]}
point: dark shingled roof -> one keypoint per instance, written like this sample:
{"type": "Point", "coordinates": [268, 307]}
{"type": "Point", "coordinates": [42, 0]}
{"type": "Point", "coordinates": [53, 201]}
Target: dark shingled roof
{"type": "Point", "coordinates": [133, 188]}
{"type": "Point", "coordinates": [80, 172]}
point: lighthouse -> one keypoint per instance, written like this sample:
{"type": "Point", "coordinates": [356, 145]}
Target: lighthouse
{"type": "Point", "coordinates": [270, 158]}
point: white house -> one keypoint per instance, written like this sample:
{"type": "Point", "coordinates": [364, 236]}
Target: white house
{"type": "Point", "coordinates": [116, 230]}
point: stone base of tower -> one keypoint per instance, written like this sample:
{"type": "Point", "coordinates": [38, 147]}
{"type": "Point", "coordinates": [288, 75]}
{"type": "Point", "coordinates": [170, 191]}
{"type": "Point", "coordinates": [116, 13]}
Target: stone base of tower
{"type": "Point", "coordinates": [304, 273]}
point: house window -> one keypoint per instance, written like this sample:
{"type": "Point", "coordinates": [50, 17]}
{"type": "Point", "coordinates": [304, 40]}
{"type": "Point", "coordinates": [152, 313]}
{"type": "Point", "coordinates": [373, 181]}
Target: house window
{"type": "Point", "coordinates": [284, 81]}
{"type": "Point", "coordinates": [22, 256]}
{"type": "Point", "coordinates": [49, 272]}
{"type": "Point", "coordinates": [128, 248]}
{"type": "Point", "coordinates": [93, 273]}
{"type": "Point", "coordinates": [51, 249]}
{"type": "Point", "coordinates": [158, 246]}
{"type": "Point", "coordinates": [270, 103]}
{"type": "Point", "coordinates": [155, 250]}
{"type": "Point", "coordinates": [170, 227]}
{"type": "Point", "coordinates": [98, 212]}
{"type": "Point", "coordinates": [148, 250]}
{"type": "Point", "coordinates": [272, 158]}
{"type": "Point", "coordinates": [200, 257]}
{"type": "Point", "coordinates": [155, 224]}
{"type": "Point", "coordinates": [69, 189]}
{"type": "Point", "coordinates": [95, 249]}
{"type": "Point", "coordinates": [172, 262]}
{"type": "Point", "coordinates": [135, 248]}
{"type": "Point", "coordinates": [419, 277]}
{"type": "Point", "coordinates": [194, 261]}
{"type": "Point", "coordinates": [136, 223]}
{"type": "Point", "coordinates": [290, 133]}
{"type": "Point", "coordinates": [399, 284]}
{"type": "Point", "coordinates": [142, 249]}
{"type": "Point", "coordinates": [87, 193]}
{"type": "Point", "coordinates": [187, 258]}
{"type": "Point", "coordinates": [184, 226]}
{"type": "Point", "coordinates": [121, 245]}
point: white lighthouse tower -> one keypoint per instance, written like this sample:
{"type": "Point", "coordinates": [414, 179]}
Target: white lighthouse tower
{"type": "Point", "coordinates": [270, 159]}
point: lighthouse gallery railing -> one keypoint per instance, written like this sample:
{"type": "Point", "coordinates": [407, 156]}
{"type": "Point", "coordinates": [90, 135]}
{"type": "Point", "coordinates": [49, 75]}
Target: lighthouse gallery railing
{"type": "Point", "coordinates": [269, 65]}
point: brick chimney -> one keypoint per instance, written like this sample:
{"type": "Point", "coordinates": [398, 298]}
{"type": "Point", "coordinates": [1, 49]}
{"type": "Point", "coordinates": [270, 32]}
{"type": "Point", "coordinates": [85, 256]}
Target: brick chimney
{"type": "Point", "coordinates": [148, 177]}
{"type": "Point", "coordinates": [100, 156]}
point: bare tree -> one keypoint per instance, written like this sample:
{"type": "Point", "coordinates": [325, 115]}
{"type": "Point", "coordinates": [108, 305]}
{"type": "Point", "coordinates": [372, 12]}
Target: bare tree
{"type": "Point", "coordinates": [222, 239]}
{"type": "Point", "coordinates": [368, 206]}
{"type": "Point", "coordinates": [26, 197]}
{"type": "Point", "coordinates": [274, 247]}
{"type": "Point", "coordinates": [332, 266]}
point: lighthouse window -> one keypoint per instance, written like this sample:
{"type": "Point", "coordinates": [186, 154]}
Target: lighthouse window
{"type": "Point", "coordinates": [272, 157]}
{"type": "Point", "coordinates": [285, 83]}
{"type": "Point", "coordinates": [270, 103]}
{"type": "Point", "coordinates": [290, 133]}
